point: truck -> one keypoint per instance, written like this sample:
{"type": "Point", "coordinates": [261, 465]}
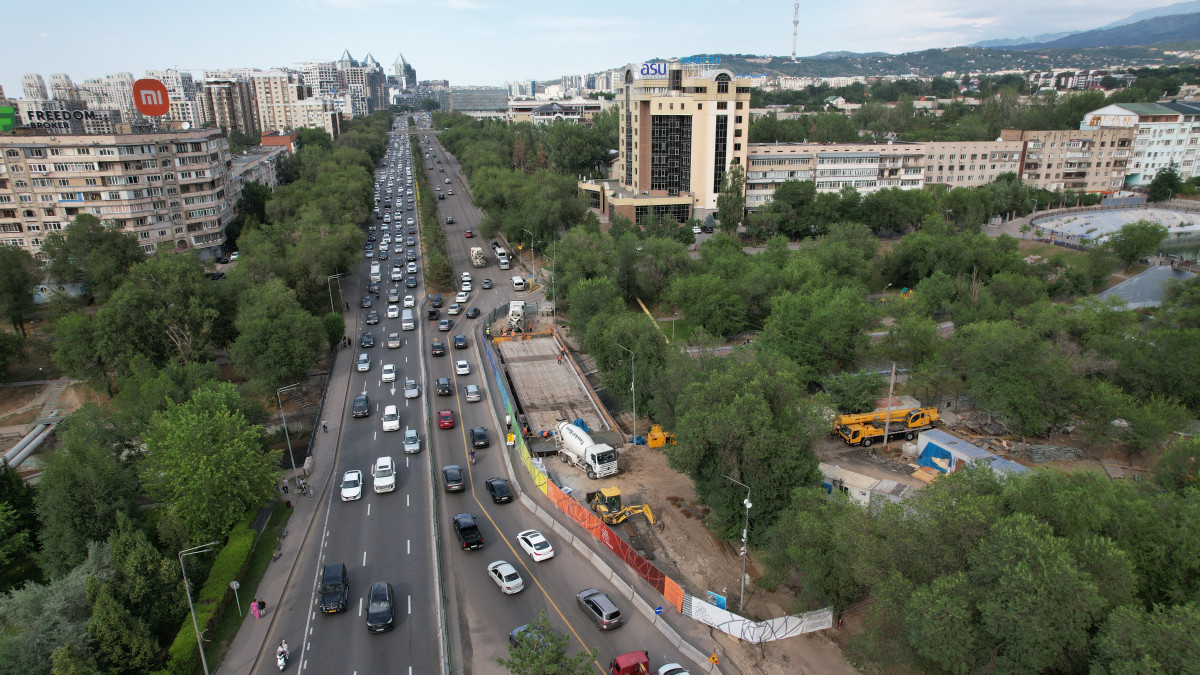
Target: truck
{"type": "Point", "coordinates": [477, 259]}
{"type": "Point", "coordinates": [576, 447]}
{"type": "Point", "coordinates": [867, 428]}
{"type": "Point", "coordinates": [516, 313]}
{"type": "Point", "coordinates": [375, 275]}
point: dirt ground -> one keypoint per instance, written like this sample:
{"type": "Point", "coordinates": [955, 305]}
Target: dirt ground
{"type": "Point", "coordinates": [688, 553]}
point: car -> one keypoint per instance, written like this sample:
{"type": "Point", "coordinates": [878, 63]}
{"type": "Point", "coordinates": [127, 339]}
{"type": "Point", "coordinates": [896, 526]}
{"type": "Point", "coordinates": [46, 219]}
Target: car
{"type": "Point", "coordinates": [445, 419]}
{"type": "Point", "coordinates": [364, 363]}
{"type": "Point", "coordinates": [707, 229]}
{"type": "Point", "coordinates": [460, 341]}
{"type": "Point", "coordinates": [391, 418]}
{"type": "Point", "coordinates": [473, 313]}
{"type": "Point", "coordinates": [410, 301]}
{"type": "Point", "coordinates": [440, 195]}
{"type": "Point", "coordinates": [397, 249]}
{"type": "Point", "coordinates": [373, 288]}
{"type": "Point", "coordinates": [696, 229]}
{"type": "Point", "coordinates": [467, 531]}
{"type": "Point", "coordinates": [410, 241]}
{"type": "Point", "coordinates": [361, 406]}
{"type": "Point", "coordinates": [411, 388]}
{"type": "Point", "coordinates": [412, 441]}
{"type": "Point", "coordinates": [450, 191]}
{"type": "Point", "coordinates": [393, 312]}
{"type": "Point", "coordinates": [602, 611]}
{"type": "Point", "coordinates": [465, 287]}
{"type": "Point", "coordinates": [366, 302]}
{"type": "Point", "coordinates": [444, 325]}
{"type": "Point", "coordinates": [351, 485]}
{"type": "Point", "coordinates": [535, 545]}
{"type": "Point", "coordinates": [462, 297]}
{"type": "Point", "coordinates": [397, 274]}
{"type": "Point", "coordinates": [479, 437]}
{"type": "Point", "coordinates": [485, 284]}
{"type": "Point", "coordinates": [369, 253]}
{"type": "Point", "coordinates": [410, 282]}
{"type": "Point", "coordinates": [372, 317]}
{"type": "Point", "coordinates": [449, 220]}
{"type": "Point", "coordinates": [371, 237]}
{"type": "Point", "coordinates": [499, 490]}
{"type": "Point", "coordinates": [380, 608]}
{"type": "Point", "coordinates": [465, 276]}
{"type": "Point", "coordinates": [412, 268]}
{"type": "Point", "coordinates": [467, 234]}
{"type": "Point", "coordinates": [393, 295]}
{"type": "Point", "coordinates": [367, 340]}
{"type": "Point", "coordinates": [409, 222]}
{"type": "Point", "coordinates": [435, 300]}
{"type": "Point", "coordinates": [506, 577]}
{"type": "Point", "coordinates": [452, 478]}
{"type": "Point", "coordinates": [410, 255]}
{"type": "Point", "coordinates": [443, 387]}
{"type": "Point", "coordinates": [672, 669]}
{"type": "Point", "coordinates": [438, 348]}
{"type": "Point", "coordinates": [461, 367]}
{"type": "Point", "coordinates": [384, 474]}
{"type": "Point", "coordinates": [393, 341]}
{"type": "Point", "coordinates": [389, 373]}
{"type": "Point", "coordinates": [335, 588]}
{"type": "Point", "coordinates": [495, 245]}
{"type": "Point", "coordinates": [454, 309]}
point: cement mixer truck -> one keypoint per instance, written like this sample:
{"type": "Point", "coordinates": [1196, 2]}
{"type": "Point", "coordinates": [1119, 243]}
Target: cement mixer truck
{"type": "Point", "coordinates": [576, 447]}
{"type": "Point", "coordinates": [477, 259]}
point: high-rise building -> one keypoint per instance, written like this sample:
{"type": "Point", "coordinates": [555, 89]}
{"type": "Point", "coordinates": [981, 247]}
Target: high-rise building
{"type": "Point", "coordinates": [34, 86]}
{"type": "Point", "coordinates": [227, 103]}
{"type": "Point", "coordinates": [463, 99]}
{"type": "Point", "coordinates": [171, 190]}
{"type": "Point", "coordinates": [181, 93]}
{"type": "Point", "coordinates": [1078, 160]}
{"type": "Point", "coordinates": [322, 78]}
{"type": "Point", "coordinates": [1164, 134]}
{"type": "Point", "coordinates": [405, 74]}
{"type": "Point", "coordinates": [111, 92]}
{"type": "Point", "coordinates": [62, 89]}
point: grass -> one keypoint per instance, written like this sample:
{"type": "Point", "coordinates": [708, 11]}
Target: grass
{"type": "Point", "coordinates": [37, 355]}
{"type": "Point", "coordinates": [260, 560]}
{"type": "Point", "coordinates": [684, 328]}
{"type": "Point", "coordinates": [1071, 256]}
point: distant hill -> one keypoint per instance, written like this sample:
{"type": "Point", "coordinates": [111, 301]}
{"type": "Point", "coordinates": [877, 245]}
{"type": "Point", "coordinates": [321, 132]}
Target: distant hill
{"type": "Point", "coordinates": [1190, 7]}
{"type": "Point", "coordinates": [1012, 42]}
{"type": "Point", "coordinates": [1176, 28]}
{"type": "Point", "coordinates": [847, 55]}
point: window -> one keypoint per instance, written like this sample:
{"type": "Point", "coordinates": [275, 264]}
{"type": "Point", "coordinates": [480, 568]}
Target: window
{"type": "Point", "coordinates": [722, 105]}
{"type": "Point", "coordinates": [722, 84]}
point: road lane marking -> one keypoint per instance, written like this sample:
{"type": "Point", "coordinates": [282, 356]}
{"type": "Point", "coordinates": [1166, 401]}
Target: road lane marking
{"type": "Point", "coordinates": [360, 600]}
{"type": "Point", "coordinates": [364, 565]}
{"type": "Point", "coordinates": [410, 604]}
{"type": "Point", "coordinates": [408, 546]}
{"type": "Point", "coordinates": [368, 510]}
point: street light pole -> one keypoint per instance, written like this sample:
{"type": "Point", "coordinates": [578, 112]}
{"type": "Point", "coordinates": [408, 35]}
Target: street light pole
{"type": "Point", "coordinates": [745, 531]}
{"type": "Point", "coordinates": [286, 435]}
{"type": "Point", "coordinates": [674, 315]}
{"type": "Point", "coordinates": [329, 286]}
{"type": "Point", "coordinates": [195, 550]}
{"type": "Point", "coordinates": [632, 386]}
{"type": "Point", "coordinates": [532, 256]}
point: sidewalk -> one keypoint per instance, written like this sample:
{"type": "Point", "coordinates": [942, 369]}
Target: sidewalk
{"type": "Point", "coordinates": [250, 644]}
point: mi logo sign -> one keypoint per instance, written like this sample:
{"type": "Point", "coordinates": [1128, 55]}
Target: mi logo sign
{"type": "Point", "coordinates": [150, 98]}
{"type": "Point", "coordinates": [8, 119]}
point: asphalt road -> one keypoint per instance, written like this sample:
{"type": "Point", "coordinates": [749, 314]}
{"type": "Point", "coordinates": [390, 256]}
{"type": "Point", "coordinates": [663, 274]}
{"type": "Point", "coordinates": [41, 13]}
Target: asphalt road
{"type": "Point", "coordinates": [389, 537]}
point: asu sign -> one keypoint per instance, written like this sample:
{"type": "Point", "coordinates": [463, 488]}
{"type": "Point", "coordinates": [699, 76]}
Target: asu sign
{"type": "Point", "coordinates": [150, 98]}
{"type": "Point", "coordinates": [653, 69]}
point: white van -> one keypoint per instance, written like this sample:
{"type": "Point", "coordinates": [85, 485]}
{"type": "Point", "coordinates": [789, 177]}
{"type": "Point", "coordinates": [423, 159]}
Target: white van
{"type": "Point", "coordinates": [375, 275]}
{"type": "Point", "coordinates": [406, 320]}
{"type": "Point", "coordinates": [518, 283]}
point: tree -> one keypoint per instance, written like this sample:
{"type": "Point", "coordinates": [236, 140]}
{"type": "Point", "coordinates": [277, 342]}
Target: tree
{"type": "Point", "coordinates": [854, 392]}
{"type": "Point", "coordinates": [75, 349]}
{"type": "Point", "coordinates": [1166, 184]}
{"type": "Point", "coordinates": [85, 486]}
{"type": "Point", "coordinates": [18, 276]}
{"type": "Point", "coordinates": [591, 298]}
{"type": "Point", "coordinates": [18, 516]}
{"type": "Point", "coordinates": [1165, 639]}
{"type": "Point", "coordinates": [207, 463]}
{"type": "Point", "coordinates": [16, 542]}
{"type": "Point", "coordinates": [1179, 467]}
{"type": "Point", "coordinates": [278, 340]}
{"type": "Point", "coordinates": [121, 641]}
{"type": "Point", "coordinates": [731, 201]}
{"type": "Point", "coordinates": [540, 650]}
{"type": "Point", "coordinates": [145, 581]}
{"type": "Point", "coordinates": [1135, 241]}
{"type": "Point", "coordinates": [710, 301]}
{"type": "Point", "coordinates": [1154, 420]}
{"type": "Point", "coordinates": [95, 253]}
{"type": "Point", "coordinates": [334, 325]}
{"type": "Point", "coordinates": [148, 390]}
{"type": "Point", "coordinates": [818, 327]}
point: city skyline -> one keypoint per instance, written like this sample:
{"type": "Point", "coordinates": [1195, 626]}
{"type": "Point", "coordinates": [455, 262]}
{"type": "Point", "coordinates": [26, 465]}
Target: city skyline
{"type": "Point", "coordinates": [484, 42]}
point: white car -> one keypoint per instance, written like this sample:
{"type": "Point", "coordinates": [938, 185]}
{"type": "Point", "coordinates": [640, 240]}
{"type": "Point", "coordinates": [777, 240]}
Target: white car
{"type": "Point", "coordinates": [466, 276]}
{"type": "Point", "coordinates": [695, 229]}
{"type": "Point", "coordinates": [391, 418]}
{"type": "Point", "coordinates": [351, 485]}
{"type": "Point", "coordinates": [412, 268]}
{"type": "Point", "coordinates": [409, 221]}
{"type": "Point", "coordinates": [535, 545]}
{"type": "Point", "coordinates": [462, 368]}
{"type": "Point", "coordinates": [462, 297]}
{"type": "Point", "coordinates": [364, 362]}
{"type": "Point", "coordinates": [384, 472]}
{"type": "Point", "coordinates": [393, 312]}
{"type": "Point", "coordinates": [410, 301]}
{"type": "Point", "coordinates": [389, 372]}
{"type": "Point", "coordinates": [412, 441]}
{"type": "Point", "coordinates": [454, 309]}
{"type": "Point", "coordinates": [672, 669]}
{"type": "Point", "coordinates": [506, 577]}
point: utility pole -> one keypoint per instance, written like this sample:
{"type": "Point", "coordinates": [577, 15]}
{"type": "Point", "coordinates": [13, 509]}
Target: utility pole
{"type": "Point", "coordinates": [887, 419]}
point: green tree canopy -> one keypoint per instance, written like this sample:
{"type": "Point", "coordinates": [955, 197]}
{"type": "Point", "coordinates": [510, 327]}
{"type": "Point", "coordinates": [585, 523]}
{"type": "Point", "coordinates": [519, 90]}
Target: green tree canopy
{"type": "Point", "coordinates": [278, 341]}
{"type": "Point", "coordinates": [540, 650]}
{"type": "Point", "coordinates": [18, 277]}
{"type": "Point", "coordinates": [1135, 241]}
{"type": "Point", "coordinates": [98, 254]}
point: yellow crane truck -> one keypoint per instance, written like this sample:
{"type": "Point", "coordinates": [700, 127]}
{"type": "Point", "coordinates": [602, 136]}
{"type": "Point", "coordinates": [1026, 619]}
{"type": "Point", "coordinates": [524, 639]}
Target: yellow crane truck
{"type": "Point", "coordinates": [867, 428]}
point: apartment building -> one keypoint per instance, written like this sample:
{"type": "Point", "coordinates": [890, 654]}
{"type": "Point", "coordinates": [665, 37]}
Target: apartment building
{"type": "Point", "coordinates": [1163, 134]}
{"type": "Point", "coordinates": [571, 110]}
{"type": "Point", "coordinates": [283, 102]}
{"type": "Point", "coordinates": [227, 103]}
{"type": "Point", "coordinates": [34, 86]}
{"type": "Point", "coordinates": [171, 190]}
{"type": "Point", "coordinates": [1079, 160]}
{"type": "Point", "coordinates": [866, 167]}
{"type": "Point", "coordinates": [970, 163]}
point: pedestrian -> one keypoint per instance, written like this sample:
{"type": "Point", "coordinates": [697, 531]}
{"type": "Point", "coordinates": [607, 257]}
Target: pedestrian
{"type": "Point", "coordinates": [324, 426]}
{"type": "Point", "coordinates": [285, 486]}
{"type": "Point", "coordinates": [508, 421]}
{"type": "Point", "coordinates": [560, 358]}
{"type": "Point", "coordinates": [347, 305]}
{"type": "Point", "coordinates": [262, 606]}
{"type": "Point", "coordinates": [254, 609]}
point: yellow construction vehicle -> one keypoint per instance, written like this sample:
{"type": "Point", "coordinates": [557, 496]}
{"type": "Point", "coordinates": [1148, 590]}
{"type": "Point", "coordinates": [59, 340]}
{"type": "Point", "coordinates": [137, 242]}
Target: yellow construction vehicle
{"type": "Point", "coordinates": [606, 502]}
{"type": "Point", "coordinates": [867, 428]}
{"type": "Point", "coordinates": [658, 438]}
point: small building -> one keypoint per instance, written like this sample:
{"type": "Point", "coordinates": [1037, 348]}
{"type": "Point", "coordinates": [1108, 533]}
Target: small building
{"type": "Point", "coordinates": [947, 453]}
{"type": "Point", "coordinates": [855, 485]}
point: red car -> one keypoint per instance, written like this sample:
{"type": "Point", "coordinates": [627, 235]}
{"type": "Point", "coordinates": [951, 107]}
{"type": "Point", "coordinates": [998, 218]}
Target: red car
{"type": "Point", "coordinates": [469, 234]}
{"type": "Point", "coordinates": [445, 419]}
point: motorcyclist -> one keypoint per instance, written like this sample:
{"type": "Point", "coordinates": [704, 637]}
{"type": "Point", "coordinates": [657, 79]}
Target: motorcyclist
{"type": "Point", "coordinates": [471, 455]}
{"type": "Point", "coordinates": [282, 650]}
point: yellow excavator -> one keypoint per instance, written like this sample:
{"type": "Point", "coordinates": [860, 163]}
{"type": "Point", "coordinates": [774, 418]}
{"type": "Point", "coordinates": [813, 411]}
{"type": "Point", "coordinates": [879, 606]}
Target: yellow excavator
{"type": "Point", "coordinates": [657, 438]}
{"type": "Point", "coordinates": [606, 502]}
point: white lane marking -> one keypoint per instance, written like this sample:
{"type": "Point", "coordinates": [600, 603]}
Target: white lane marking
{"type": "Point", "coordinates": [368, 510]}
{"type": "Point", "coordinates": [410, 604]}
{"type": "Point", "coordinates": [364, 565]}
{"type": "Point", "coordinates": [360, 606]}
{"type": "Point", "coordinates": [407, 500]}
{"type": "Point", "coordinates": [408, 546]}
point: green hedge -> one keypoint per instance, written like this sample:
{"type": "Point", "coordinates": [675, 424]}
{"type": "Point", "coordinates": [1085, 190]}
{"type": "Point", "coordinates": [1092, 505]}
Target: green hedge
{"type": "Point", "coordinates": [230, 564]}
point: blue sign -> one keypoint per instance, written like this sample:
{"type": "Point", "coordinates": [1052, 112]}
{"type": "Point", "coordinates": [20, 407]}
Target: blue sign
{"type": "Point", "coordinates": [658, 610]}
{"type": "Point", "coordinates": [714, 599]}
{"type": "Point", "coordinates": [654, 69]}
{"type": "Point", "coordinates": [701, 60]}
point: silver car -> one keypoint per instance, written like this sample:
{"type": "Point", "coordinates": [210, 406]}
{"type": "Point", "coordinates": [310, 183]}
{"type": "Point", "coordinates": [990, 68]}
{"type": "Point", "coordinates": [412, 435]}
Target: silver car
{"type": "Point", "coordinates": [472, 393]}
{"type": "Point", "coordinates": [364, 363]}
{"type": "Point", "coordinates": [411, 388]}
{"type": "Point", "coordinates": [412, 441]}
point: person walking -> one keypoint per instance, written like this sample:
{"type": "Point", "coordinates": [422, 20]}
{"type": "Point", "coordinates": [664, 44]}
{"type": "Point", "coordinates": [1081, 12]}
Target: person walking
{"type": "Point", "coordinates": [285, 486]}
{"type": "Point", "coordinates": [262, 607]}
{"type": "Point", "coordinates": [254, 609]}
{"type": "Point", "coordinates": [324, 426]}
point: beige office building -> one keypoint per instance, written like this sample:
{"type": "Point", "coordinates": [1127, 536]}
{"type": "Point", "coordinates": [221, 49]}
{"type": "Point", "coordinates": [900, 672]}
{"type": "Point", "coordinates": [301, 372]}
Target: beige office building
{"type": "Point", "coordinates": [1069, 159]}
{"type": "Point", "coordinates": [172, 190]}
{"type": "Point", "coordinates": [970, 163]}
{"type": "Point", "coordinates": [283, 102]}
{"type": "Point", "coordinates": [680, 129]}
{"type": "Point", "coordinates": [866, 167]}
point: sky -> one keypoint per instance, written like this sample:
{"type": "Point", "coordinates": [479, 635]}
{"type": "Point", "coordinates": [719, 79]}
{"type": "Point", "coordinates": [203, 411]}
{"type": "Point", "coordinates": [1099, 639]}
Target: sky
{"type": "Point", "coordinates": [488, 42]}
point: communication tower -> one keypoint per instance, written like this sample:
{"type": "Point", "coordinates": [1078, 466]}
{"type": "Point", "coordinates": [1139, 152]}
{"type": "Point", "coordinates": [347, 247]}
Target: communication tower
{"type": "Point", "coordinates": [795, 29]}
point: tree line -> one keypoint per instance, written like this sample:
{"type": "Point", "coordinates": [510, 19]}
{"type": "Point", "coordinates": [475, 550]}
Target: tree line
{"type": "Point", "coordinates": [176, 456]}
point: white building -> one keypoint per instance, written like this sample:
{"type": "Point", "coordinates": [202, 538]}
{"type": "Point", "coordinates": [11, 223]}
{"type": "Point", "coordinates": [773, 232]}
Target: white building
{"type": "Point", "coordinates": [1163, 134]}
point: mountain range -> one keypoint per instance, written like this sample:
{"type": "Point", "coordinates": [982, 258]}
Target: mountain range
{"type": "Point", "coordinates": [1100, 38]}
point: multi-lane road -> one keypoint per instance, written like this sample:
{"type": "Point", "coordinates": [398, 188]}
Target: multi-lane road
{"type": "Point", "coordinates": [405, 537]}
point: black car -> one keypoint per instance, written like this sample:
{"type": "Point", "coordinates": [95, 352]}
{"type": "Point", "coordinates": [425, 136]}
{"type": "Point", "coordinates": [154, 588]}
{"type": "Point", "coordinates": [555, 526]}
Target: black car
{"type": "Point", "coordinates": [335, 588]}
{"type": "Point", "coordinates": [498, 489]}
{"type": "Point", "coordinates": [449, 220]}
{"type": "Point", "coordinates": [438, 349]}
{"type": "Point", "coordinates": [372, 317]}
{"type": "Point", "coordinates": [467, 531]}
{"type": "Point", "coordinates": [361, 406]}
{"type": "Point", "coordinates": [435, 300]}
{"type": "Point", "coordinates": [370, 237]}
{"type": "Point", "coordinates": [410, 282]}
{"type": "Point", "coordinates": [472, 313]}
{"type": "Point", "coordinates": [365, 302]}
{"type": "Point", "coordinates": [444, 388]}
{"type": "Point", "coordinates": [383, 255]}
{"type": "Point", "coordinates": [432, 314]}
{"type": "Point", "coordinates": [452, 478]}
{"type": "Point", "coordinates": [367, 340]}
{"type": "Point", "coordinates": [222, 259]}
{"type": "Point", "coordinates": [479, 437]}
{"type": "Point", "coordinates": [410, 255]}
{"type": "Point", "coordinates": [460, 341]}
{"type": "Point", "coordinates": [373, 288]}
{"type": "Point", "coordinates": [411, 229]}
{"type": "Point", "coordinates": [380, 617]}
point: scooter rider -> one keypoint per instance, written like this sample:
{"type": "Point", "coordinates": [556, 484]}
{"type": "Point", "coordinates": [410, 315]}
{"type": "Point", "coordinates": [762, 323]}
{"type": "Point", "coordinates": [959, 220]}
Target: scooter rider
{"type": "Point", "coordinates": [471, 455]}
{"type": "Point", "coordinates": [282, 650]}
